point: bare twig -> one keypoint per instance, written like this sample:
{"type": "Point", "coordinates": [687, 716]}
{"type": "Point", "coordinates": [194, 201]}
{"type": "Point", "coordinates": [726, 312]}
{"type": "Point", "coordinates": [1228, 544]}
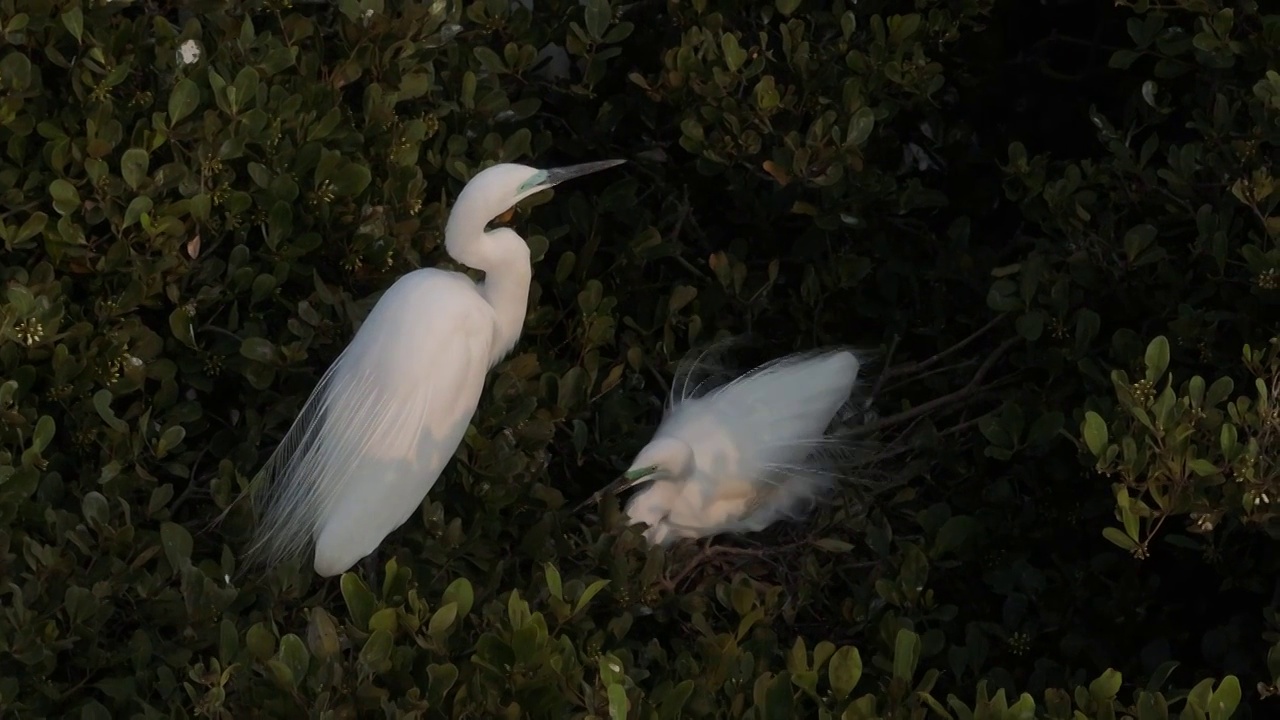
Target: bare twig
{"type": "Point", "coordinates": [973, 387]}
{"type": "Point", "coordinates": [709, 551]}
{"type": "Point", "coordinates": [915, 367]}
{"type": "Point", "coordinates": [904, 447]}
{"type": "Point", "coordinates": [191, 483]}
{"type": "Point", "coordinates": [928, 373]}
{"type": "Point", "coordinates": [888, 358]}
{"type": "Point", "coordinates": [685, 212]}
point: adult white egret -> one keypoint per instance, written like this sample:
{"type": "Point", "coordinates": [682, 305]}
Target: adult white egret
{"type": "Point", "coordinates": [743, 455]}
{"type": "Point", "coordinates": [388, 415]}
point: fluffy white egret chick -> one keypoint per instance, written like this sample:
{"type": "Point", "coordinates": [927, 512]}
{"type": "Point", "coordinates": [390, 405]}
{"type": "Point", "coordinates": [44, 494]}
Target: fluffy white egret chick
{"type": "Point", "coordinates": [376, 432]}
{"type": "Point", "coordinates": [743, 455]}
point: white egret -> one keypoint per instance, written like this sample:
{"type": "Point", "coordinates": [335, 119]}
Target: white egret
{"type": "Point", "coordinates": [388, 415]}
{"type": "Point", "coordinates": [743, 455]}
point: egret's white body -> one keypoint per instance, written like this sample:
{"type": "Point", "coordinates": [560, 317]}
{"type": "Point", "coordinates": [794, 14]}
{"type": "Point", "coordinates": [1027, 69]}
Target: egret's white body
{"type": "Point", "coordinates": [743, 455]}
{"type": "Point", "coordinates": [384, 420]}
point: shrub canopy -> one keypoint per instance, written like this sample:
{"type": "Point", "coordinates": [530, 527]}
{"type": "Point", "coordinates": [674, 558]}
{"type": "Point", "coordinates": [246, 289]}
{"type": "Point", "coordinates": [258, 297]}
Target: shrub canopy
{"type": "Point", "coordinates": [1057, 222]}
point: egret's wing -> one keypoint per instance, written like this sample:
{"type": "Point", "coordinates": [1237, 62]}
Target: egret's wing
{"type": "Point", "coordinates": [383, 422]}
{"type": "Point", "coordinates": [776, 412]}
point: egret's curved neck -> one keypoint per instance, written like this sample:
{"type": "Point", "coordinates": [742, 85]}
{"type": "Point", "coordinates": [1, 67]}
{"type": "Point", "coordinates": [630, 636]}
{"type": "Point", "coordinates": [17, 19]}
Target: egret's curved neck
{"type": "Point", "coordinates": [504, 257]}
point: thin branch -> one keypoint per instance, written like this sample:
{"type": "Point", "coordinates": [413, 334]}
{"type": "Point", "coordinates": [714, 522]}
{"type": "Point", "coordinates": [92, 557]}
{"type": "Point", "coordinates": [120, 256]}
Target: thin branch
{"type": "Point", "coordinates": [911, 368]}
{"type": "Point", "coordinates": [888, 358]}
{"type": "Point", "coordinates": [973, 387]}
{"type": "Point", "coordinates": [929, 373]}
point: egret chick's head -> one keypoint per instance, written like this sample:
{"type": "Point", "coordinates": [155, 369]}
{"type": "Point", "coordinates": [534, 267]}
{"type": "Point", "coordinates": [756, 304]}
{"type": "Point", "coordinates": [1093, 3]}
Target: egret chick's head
{"type": "Point", "coordinates": [663, 459]}
{"type": "Point", "coordinates": [496, 189]}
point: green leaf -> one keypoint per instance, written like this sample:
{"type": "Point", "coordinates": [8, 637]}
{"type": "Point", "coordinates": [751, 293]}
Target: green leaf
{"type": "Point", "coordinates": [680, 297]}
{"type": "Point", "coordinates": [133, 167]}
{"type": "Point", "coordinates": [102, 403]}
{"type": "Point", "coordinates": [1030, 325]}
{"type": "Point", "coordinates": [442, 619]}
{"type": "Point", "coordinates": [73, 21]}
{"type": "Point", "coordinates": [1157, 358]}
{"type": "Point", "coordinates": [953, 534]}
{"type": "Point", "coordinates": [1218, 391]}
{"type": "Point", "coordinates": [766, 95]}
{"type": "Point", "coordinates": [138, 207]}
{"type": "Point", "coordinates": [902, 27]}
{"type": "Point", "coordinates": [573, 387]}
{"type": "Point", "coordinates": [619, 705]}
{"type": "Point", "coordinates": [359, 599]}
{"type": "Point", "coordinates": [245, 87]}
{"type": "Point", "coordinates": [439, 679]}
{"type": "Point", "coordinates": [459, 593]}
{"type": "Point", "coordinates": [43, 435]}
{"type": "Point", "coordinates": [259, 349]}
{"type": "Point", "coordinates": [489, 59]}
{"type": "Point", "coordinates": [1228, 439]}
{"type": "Point", "coordinates": [833, 545]}
{"type": "Point", "coordinates": [1225, 699]}
{"type": "Point", "coordinates": [95, 509]}
{"type": "Point", "coordinates": [1095, 433]}
{"type": "Point", "coordinates": [553, 582]}
{"type": "Point", "coordinates": [384, 620]}
{"type": "Point", "coordinates": [376, 653]}
{"type": "Point", "coordinates": [259, 641]}
{"type": "Point", "coordinates": [844, 671]}
{"type": "Point", "coordinates": [672, 706]}
{"type": "Point", "coordinates": [33, 226]}
{"type": "Point", "coordinates": [734, 55]}
{"type": "Point", "coordinates": [351, 180]}
{"type": "Point", "coordinates": [1122, 59]}
{"type": "Point", "coordinates": [592, 590]}
{"type": "Point", "coordinates": [293, 654]}
{"type": "Point", "coordinates": [1088, 323]}
{"type": "Point", "coordinates": [1045, 428]}
{"type": "Point", "coordinates": [598, 15]}
{"type": "Point", "coordinates": [1202, 467]}
{"type": "Point", "coordinates": [906, 655]}
{"type": "Point", "coordinates": [787, 7]}
{"type": "Point", "coordinates": [1137, 240]}
{"type": "Point", "coordinates": [1130, 520]}
{"type": "Point", "coordinates": [170, 440]}
{"type": "Point", "coordinates": [177, 545]}
{"type": "Point", "coordinates": [1119, 538]}
{"type": "Point", "coordinates": [66, 199]}
{"type": "Point", "coordinates": [181, 327]}
{"type": "Point", "coordinates": [1103, 690]}
{"type": "Point", "coordinates": [322, 634]}
{"type": "Point", "coordinates": [183, 100]}
{"type": "Point", "coordinates": [860, 127]}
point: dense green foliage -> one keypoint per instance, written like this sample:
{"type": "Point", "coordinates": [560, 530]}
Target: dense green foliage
{"type": "Point", "coordinates": [199, 201]}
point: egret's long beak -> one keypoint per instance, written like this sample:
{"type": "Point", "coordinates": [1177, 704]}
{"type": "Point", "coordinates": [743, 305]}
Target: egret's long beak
{"type": "Point", "coordinates": [555, 176]}
{"type": "Point", "coordinates": [625, 481]}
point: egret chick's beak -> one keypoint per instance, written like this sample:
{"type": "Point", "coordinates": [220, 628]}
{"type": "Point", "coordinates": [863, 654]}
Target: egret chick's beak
{"type": "Point", "coordinates": [635, 476]}
{"type": "Point", "coordinates": [626, 480]}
